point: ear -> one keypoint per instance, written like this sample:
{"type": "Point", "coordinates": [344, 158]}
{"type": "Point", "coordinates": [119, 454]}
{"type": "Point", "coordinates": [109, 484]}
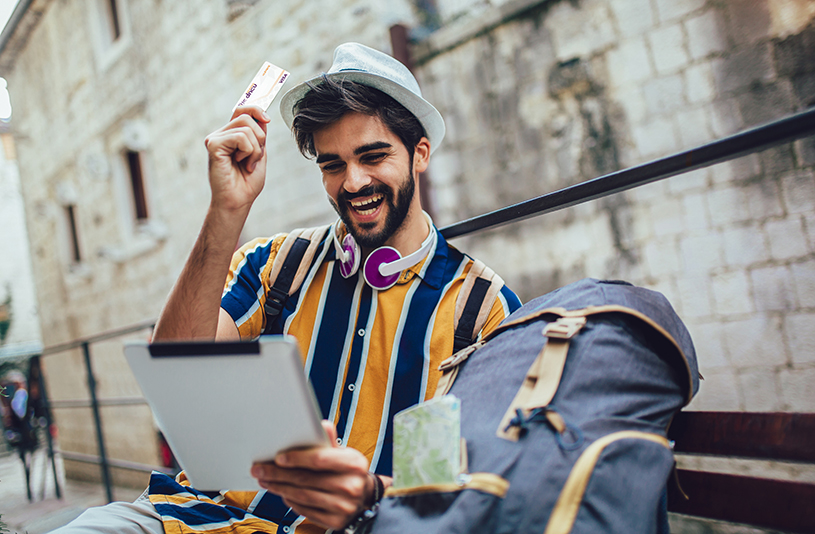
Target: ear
{"type": "Point", "coordinates": [421, 155]}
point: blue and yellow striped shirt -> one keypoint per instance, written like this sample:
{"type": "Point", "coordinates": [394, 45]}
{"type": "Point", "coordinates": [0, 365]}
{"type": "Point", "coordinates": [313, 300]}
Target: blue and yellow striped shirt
{"type": "Point", "coordinates": [369, 354]}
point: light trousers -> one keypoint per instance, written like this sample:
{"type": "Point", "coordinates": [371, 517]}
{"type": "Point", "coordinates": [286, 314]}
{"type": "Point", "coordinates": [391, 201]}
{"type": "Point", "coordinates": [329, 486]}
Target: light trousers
{"type": "Point", "coordinates": [138, 517]}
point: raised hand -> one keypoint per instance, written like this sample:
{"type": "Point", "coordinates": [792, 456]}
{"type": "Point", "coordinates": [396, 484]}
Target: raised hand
{"type": "Point", "coordinates": [237, 159]}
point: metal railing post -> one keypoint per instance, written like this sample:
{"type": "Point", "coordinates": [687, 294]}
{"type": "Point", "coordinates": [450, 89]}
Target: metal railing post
{"type": "Point", "coordinates": [49, 423]}
{"type": "Point", "coordinates": [100, 439]}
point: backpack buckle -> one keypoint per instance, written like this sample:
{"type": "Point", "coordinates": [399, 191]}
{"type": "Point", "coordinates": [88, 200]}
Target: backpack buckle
{"type": "Point", "coordinates": [275, 300]}
{"type": "Point", "coordinates": [460, 356]}
{"type": "Point", "coordinates": [564, 328]}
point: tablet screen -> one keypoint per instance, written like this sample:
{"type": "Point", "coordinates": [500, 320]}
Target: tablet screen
{"type": "Point", "coordinates": [225, 405]}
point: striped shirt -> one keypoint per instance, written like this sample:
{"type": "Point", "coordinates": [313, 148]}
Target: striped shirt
{"type": "Point", "coordinates": [368, 354]}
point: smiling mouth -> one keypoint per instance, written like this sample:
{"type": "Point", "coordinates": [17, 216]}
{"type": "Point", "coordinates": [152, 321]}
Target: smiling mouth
{"type": "Point", "coordinates": [367, 206]}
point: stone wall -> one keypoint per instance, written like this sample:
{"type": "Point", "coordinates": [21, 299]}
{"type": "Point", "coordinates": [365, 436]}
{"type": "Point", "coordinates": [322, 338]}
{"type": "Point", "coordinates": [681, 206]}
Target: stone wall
{"type": "Point", "coordinates": [559, 92]}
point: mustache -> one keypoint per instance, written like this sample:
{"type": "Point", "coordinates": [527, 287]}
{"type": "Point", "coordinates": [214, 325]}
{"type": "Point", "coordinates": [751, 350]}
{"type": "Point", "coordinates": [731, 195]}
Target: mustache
{"type": "Point", "coordinates": [381, 189]}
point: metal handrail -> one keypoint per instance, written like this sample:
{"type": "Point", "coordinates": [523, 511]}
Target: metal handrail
{"type": "Point", "coordinates": [102, 336]}
{"type": "Point", "coordinates": [86, 403]}
{"type": "Point", "coordinates": [94, 403]}
{"type": "Point", "coordinates": [119, 464]}
{"type": "Point", "coordinates": [737, 145]}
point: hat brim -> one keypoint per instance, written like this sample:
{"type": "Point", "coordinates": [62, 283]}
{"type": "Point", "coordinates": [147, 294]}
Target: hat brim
{"type": "Point", "coordinates": [429, 117]}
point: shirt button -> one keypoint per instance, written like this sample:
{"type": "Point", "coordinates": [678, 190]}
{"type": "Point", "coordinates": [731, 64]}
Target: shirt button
{"type": "Point", "coordinates": [351, 387]}
{"type": "Point", "coordinates": [361, 332]}
{"type": "Point", "coordinates": [339, 441]}
{"type": "Point", "coordinates": [286, 528]}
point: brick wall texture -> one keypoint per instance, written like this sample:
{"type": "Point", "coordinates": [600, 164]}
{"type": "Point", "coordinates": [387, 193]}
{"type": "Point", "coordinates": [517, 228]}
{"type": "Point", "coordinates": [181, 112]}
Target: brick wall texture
{"type": "Point", "coordinates": [536, 96]}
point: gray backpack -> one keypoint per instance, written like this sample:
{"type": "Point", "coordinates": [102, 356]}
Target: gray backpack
{"type": "Point", "coordinates": [564, 409]}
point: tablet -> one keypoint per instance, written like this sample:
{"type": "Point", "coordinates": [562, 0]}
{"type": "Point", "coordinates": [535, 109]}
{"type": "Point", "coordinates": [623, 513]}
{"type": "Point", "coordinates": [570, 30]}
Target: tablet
{"type": "Point", "coordinates": [224, 405]}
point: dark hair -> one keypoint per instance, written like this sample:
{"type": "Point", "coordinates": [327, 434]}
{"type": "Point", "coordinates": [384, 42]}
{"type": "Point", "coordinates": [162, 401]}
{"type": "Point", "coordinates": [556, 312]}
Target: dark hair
{"type": "Point", "coordinates": [330, 99]}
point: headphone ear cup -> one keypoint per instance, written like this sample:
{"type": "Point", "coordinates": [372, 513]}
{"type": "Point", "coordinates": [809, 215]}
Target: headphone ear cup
{"type": "Point", "coordinates": [375, 260]}
{"type": "Point", "coordinates": [351, 248]}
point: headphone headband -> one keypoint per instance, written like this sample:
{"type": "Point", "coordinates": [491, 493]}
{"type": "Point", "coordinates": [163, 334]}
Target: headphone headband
{"type": "Point", "coordinates": [383, 265]}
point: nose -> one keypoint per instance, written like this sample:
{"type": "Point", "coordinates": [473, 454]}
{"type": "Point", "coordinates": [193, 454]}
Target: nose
{"type": "Point", "coordinates": [356, 178]}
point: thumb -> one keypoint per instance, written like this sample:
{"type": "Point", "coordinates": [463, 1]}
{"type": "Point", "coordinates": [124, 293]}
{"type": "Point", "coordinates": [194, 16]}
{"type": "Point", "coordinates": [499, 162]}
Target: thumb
{"type": "Point", "coordinates": [331, 431]}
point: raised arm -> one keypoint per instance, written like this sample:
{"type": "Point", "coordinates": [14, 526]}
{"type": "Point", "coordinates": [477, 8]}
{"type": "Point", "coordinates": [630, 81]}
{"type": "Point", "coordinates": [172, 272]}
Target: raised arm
{"type": "Point", "coordinates": [237, 172]}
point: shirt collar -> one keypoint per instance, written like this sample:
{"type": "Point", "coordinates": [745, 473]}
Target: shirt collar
{"type": "Point", "coordinates": [431, 270]}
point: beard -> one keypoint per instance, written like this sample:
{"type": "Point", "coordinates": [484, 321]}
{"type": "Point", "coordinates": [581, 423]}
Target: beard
{"type": "Point", "coordinates": [398, 205]}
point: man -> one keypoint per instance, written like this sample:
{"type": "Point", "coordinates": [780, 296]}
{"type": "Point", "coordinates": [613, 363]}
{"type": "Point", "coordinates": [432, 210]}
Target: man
{"type": "Point", "coordinates": [372, 341]}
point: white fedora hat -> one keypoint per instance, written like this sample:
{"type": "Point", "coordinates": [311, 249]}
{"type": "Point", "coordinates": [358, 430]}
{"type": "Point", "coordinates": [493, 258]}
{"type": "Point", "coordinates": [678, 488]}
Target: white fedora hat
{"type": "Point", "coordinates": [359, 63]}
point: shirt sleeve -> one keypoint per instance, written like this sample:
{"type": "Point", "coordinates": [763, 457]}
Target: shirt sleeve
{"type": "Point", "coordinates": [247, 284]}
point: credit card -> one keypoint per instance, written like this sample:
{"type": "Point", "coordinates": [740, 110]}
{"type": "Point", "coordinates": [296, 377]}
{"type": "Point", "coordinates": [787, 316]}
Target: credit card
{"type": "Point", "coordinates": [264, 87]}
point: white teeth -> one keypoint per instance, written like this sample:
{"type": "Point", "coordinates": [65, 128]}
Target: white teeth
{"type": "Point", "coordinates": [361, 203]}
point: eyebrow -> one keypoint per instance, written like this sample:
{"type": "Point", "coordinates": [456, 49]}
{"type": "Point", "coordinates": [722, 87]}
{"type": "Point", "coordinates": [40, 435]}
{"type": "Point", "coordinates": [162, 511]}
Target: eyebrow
{"type": "Point", "coordinates": [322, 158]}
{"type": "Point", "coordinates": [376, 145]}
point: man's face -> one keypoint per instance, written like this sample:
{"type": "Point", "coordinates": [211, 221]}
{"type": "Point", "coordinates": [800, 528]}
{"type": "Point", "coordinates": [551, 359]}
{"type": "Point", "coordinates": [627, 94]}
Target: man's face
{"type": "Point", "coordinates": [368, 175]}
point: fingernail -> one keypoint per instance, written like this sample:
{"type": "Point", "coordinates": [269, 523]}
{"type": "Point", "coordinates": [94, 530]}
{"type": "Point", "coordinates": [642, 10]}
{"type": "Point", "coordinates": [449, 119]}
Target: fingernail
{"type": "Point", "coordinates": [281, 459]}
{"type": "Point", "coordinates": [256, 471]}
{"type": "Point", "coordinates": [265, 117]}
{"type": "Point", "coordinates": [251, 167]}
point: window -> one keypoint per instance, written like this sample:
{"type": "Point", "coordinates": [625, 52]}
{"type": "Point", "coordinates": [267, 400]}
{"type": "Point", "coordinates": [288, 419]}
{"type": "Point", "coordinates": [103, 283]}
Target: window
{"type": "Point", "coordinates": [110, 30]}
{"type": "Point", "coordinates": [68, 225]}
{"type": "Point", "coordinates": [73, 235]}
{"type": "Point", "coordinates": [128, 146]}
{"type": "Point", "coordinates": [114, 27]}
{"type": "Point", "coordinates": [134, 167]}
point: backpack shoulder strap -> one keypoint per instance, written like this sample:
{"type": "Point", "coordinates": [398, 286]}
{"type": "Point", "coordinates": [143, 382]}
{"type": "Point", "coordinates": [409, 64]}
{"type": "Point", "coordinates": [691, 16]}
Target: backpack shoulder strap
{"type": "Point", "coordinates": [473, 305]}
{"type": "Point", "coordinates": [474, 302]}
{"type": "Point", "coordinates": [290, 267]}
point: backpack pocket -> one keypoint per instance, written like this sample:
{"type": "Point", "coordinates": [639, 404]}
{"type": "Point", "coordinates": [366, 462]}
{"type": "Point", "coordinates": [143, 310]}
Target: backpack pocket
{"type": "Point", "coordinates": [468, 506]}
{"type": "Point", "coordinates": [614, 486]}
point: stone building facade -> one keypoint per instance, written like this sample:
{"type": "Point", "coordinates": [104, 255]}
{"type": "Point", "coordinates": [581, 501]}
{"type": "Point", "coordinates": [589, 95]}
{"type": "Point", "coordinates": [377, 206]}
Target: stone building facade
{"type": "Point", "coordinates": [537, 95]}
{"type": "Point", "coordinates": [114, 101]}
{"type": "Point", "coordinates": [19, 317]}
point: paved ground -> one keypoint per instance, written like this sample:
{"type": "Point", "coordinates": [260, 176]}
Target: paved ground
{"type": "Point", "coordinates": [46, 512]}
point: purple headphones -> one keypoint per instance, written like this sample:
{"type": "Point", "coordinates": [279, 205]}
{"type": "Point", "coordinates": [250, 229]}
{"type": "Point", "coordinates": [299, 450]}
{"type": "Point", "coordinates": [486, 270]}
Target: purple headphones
{"type": "Point", "coordinates": [383, 266]}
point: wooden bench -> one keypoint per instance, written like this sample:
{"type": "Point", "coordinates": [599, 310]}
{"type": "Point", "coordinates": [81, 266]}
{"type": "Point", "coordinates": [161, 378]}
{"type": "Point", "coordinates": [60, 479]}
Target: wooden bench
{"type": "Point", "coordinates": [760, 502]}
